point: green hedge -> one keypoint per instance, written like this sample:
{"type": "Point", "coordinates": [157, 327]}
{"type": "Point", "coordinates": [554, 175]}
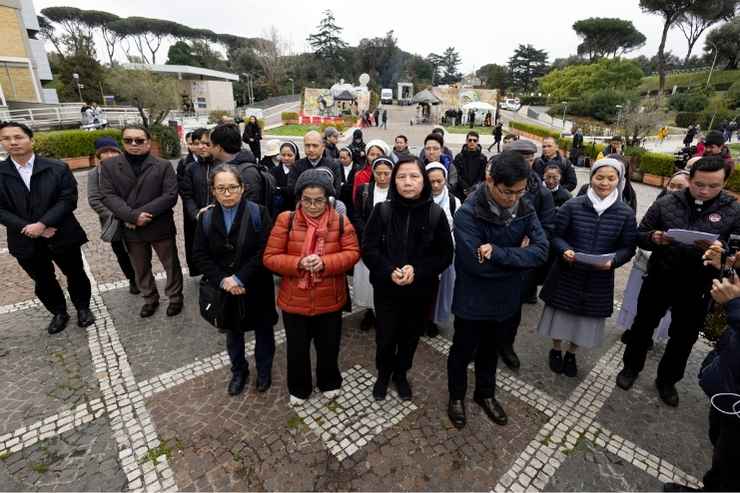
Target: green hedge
{"type": "Point", "coordinates": [657, 163]}
{"type": "Point", "coordinates": [688, 102]}
{"type": "Point", "coordinates": [534, 129]}
{"type": "Point", "coordinates": [687, 118]}
{"type": "Point", "coordinates": [590, 149]}
{"type": "Point", "coordinates": [338, 125]}
{"type": "Point", "coordinates": [289, 116]}
{"type": "Point", "coordinates": [63, 144]}
{"type": "Point", "coordinates": [169, 141]}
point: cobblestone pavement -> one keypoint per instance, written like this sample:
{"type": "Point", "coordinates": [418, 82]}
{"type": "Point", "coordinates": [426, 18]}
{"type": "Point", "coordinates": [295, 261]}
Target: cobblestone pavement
{"type": "Point", "coordinates": [133, 404]}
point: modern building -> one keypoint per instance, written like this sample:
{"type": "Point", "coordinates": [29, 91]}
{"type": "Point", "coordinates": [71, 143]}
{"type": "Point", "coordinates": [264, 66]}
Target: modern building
{"type": "Point", "coordinates": [202, 89]}
{"type": "Point", "coordinates": [24, 65]}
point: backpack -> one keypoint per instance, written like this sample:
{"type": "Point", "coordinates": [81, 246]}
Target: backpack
{"type": "Point", "coordinates": [270, 198]}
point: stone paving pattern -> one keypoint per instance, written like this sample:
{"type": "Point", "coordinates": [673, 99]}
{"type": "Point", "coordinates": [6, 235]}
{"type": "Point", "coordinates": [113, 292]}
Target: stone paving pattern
{"type": "Point", "coordinates": [132, 404]}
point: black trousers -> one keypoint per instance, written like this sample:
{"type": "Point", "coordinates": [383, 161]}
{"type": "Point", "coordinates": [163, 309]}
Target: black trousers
{"type": "Point", "coordinates": [326, 332]}
{"type": "Point", "coordinates": [264, 350]}
{"type": "Point", "coordinates": [40, 267]}
{"type": "Point", "coordinates": [399, 322]}
{"type": "Point", "coordinates": [688, 309]}
{"type": "Point", "coordinates": [124, 262]}
{"type": "Point", "coordinates": [476, 340]}
{"type": "Point", "coordinates": [724, 433]}
{"type": "Point", "coordinates": [256, 148]}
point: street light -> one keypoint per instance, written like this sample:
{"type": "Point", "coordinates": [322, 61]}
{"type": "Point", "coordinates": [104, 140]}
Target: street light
{"type": "Point", "coordinates": [292, 86]}
{"type": "Point", "coordinates": [716, 52]}
{"type": "Point", "coordinates": [565, 107]}
{"type": "Point", "coordinates": [76, 77]}
{"type": "Point", "coordinates": [619, 114]}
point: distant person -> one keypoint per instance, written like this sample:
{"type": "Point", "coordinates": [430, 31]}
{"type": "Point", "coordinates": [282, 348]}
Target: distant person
{"type": "Point", "coordinates": [400, 148]}
{"type": "Point", "coordinates": [289, 154]}
{"type": "Point", "coordinates": [690, 134]}
{"type": "Point", "coordinates": [552, 177]}
{"type": "Point", "coordinates": [364, 174]}
{"type": "Point", "coordinates": [384, 119]}
{"type": "Point", "coordinates": [357, 146]}
{"type": "Point", "coordinates": [576, 147]}
{"type": "Point", "coordinates": [41, 227]}
{"type": "Point", "coordinates": [331, 137]}
{"type": "Point", "coordinates": [551, 155]}
{"type": "Point", "coordinates": [313, 146]}
{"type": "Point", "coordinates": [470, 165]}
{"type": "Point", "coordinates": [471, 118]}
{"type": "Point", "coordinates": [376, 116]}
{"type": "Point", "coordinates": [498, 131]}
{"type": "Point", "coordinates": [714, 145]}
{"type": "Point", "coordinates": [252, 136]}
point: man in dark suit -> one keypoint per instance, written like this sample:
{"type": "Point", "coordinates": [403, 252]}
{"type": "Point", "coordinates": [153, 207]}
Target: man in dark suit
{"type": "Point", "coordinates": [141, 191]}
{"type": "Point", "coordinates": [37, 200]}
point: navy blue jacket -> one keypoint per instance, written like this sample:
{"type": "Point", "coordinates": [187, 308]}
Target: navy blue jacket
{"type": "Point", "coordinates": [579, 288]}
{"type": "Point", "coordinates": [722, 374]}
{"type": "Point", "coordinates": [492, 290]}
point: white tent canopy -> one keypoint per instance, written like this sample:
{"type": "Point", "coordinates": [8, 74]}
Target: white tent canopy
{"type": "Point", "coordinates": [478, 106]}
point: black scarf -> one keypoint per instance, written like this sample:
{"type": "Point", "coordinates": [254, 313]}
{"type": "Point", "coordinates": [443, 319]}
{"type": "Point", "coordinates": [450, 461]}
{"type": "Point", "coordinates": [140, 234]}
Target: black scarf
{"type": "Point", "coordinates": [136, 162]}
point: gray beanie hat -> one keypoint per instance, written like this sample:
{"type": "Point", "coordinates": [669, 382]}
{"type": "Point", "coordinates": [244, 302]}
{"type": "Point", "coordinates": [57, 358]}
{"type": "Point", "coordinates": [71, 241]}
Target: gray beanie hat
{"type": "Point", "coordinates": [522, 147]}
{"type": "Point", "coordinates": [315, 177]}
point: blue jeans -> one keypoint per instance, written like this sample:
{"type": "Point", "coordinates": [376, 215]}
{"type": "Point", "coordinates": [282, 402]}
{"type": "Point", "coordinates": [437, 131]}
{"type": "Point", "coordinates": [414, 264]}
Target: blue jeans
{"type": "Point", "coordinates": [264, 350]}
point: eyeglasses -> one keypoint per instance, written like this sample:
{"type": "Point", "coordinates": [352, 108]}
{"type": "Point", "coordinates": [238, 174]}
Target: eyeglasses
{"type": "Point", "coordinates": [231, 189]}
{"type": "Point", "coordinates": [308, 202]}
{"type": "Point", "coordinates": [138, 141]}
{"type": "Point", "coordinates": [512, 193]}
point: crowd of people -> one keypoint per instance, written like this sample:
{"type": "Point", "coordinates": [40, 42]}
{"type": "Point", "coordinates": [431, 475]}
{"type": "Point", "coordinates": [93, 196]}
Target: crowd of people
{"type": "Point", "coordinates": [423, 239]}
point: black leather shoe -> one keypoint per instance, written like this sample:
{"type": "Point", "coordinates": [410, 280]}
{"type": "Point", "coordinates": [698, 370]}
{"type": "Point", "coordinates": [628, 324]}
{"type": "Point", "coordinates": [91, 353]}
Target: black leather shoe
{"type": "Point", "coordinates": [174, 309]}
{"type": "Point", "coordinates": [668, 393]}
{"type": "Point", "coordinates": [237, 383]}
{"type": "Point", "coordinates": [403, 387]}
{"type": "Point", "coordinates": [569, 365]}
{"type": "Point", "coordinates": [380, 389]}
{"type": "Point", "coordinates": [626, 378]}
{"type": "Point", "coordinates": [509, 357]}
{"type": "Point", "coordinates": [263, 384]}
{"type": "Point", "coordinates": [556, 360]}
{"type": "Point", "coordinates": [85, 318]}
{"type": "Point", "coordinates": [674, 487]}
{"type": "Point", "coordinates": [132, 287]}
{"type": "Point", "coordinates": [432, 329]}
{"type": "Point", "coordinates": [493, 410]}
{"type": "Point", "coordinates": [58, 323]}
{"type": "Point", "coordinates": [456, 412]}
{"type": "Point", "coordinates": [148, 309]}
{"type": "Point", "coordinates": [368, 321]}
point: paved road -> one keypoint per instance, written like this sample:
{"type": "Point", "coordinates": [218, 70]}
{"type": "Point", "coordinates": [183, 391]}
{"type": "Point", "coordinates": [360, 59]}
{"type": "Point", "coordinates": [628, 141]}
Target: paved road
{"type": "Point", "coordinates": [134, 403]}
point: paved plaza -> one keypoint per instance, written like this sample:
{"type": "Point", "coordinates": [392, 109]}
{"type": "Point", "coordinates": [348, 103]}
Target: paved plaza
{"type": "Point", "coordinates": [132, 404]}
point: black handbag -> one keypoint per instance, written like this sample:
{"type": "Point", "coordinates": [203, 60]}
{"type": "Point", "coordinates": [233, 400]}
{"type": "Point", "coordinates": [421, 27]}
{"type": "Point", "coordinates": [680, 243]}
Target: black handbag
{"type": "Point", "coordinates": [212, 299]}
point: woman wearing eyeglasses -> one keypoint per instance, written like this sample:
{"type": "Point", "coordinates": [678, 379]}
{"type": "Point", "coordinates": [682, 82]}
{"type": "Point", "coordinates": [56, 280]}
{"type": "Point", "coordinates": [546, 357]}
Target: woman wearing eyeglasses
{"type": "Point", "coordinates": [312, 248]}
{"type": "Point", "coordinates": [238, 270]}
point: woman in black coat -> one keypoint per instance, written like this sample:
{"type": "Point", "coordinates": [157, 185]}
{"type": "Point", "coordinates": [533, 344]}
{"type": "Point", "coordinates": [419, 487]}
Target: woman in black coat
{"type": "Point", "coordinates": [252, 136]}
{"type": "Point", "coordinates": [579, 295]}
{"type": "Point", "coordinates": [249, 288]}
{"type": "Point", "coordinates": [289, 155]}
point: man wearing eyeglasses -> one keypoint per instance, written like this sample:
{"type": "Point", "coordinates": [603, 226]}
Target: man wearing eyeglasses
{"type": "Point", "coordinates": [490, 257]}
{"type": "Point", "coordinates": [141, 191]}
{"type": "Point", "coordinates": [551, 155]}
{"type": "Point", "coordinates": [470, 164]}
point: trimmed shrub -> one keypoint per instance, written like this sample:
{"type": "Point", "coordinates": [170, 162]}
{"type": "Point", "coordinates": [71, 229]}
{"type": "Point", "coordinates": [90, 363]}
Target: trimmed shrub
{"type": "Point", "coordinates": [686, 119]}
{"type": "Point", "coordinates": [169, 142]}
{"type": "Point", "coordinates": [63, 144]}
{"type": "Point", "coordinates": [533, 100]}
{"type": "Point", "coordinates": [657, 163]}
{"type": "Point", "coordinates": [216, 115]}
{"type": "Point", "coordinates": [688, 102]}
{"type": "Point", "coordinates": [534, 129]}
{"type": "Point", "coordinates": [338, 125]}
{"type": "Point", "coordinates": [289, 117]}
{"type": "Point", "coordinates": [631, 151]}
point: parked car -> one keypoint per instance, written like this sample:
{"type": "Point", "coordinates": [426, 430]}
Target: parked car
{"type": "Point", "coordinates": [386, 96]}
{"type": "Point", "coordinates": [511, 104]}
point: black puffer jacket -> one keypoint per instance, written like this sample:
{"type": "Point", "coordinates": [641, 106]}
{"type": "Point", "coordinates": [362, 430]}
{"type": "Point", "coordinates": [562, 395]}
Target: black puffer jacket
{"type": "Point", "coordinates": [721, 217]}
{"type": "Point", "coordinates": [407, 238]}
{"type": "Point", "coordinates": [357, 147]}
{"type": "Point", "coordinates": [471, 170]}
{"type": "Point", "coordinates": [195, 191]}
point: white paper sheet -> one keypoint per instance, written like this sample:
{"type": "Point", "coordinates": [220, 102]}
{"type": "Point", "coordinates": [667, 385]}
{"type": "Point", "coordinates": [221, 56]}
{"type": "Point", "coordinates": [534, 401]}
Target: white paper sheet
{"type": "Point", "coordinates": [689, 237]}
{"type": "Point", "coordinates": [595, 260]}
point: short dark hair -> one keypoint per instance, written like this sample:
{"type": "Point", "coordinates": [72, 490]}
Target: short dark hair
{"type": "Point", "coordinates": [438, 131]}
{"type": "Point", "coordinates": [509, 168]}
{"type": "Point", "coordinates": [225, 168]}
{"type": "Point", "coordinates": [473, 133]}
{"type": "Point", "coordinates": [436, 138]}
{"type": "Point", "coordinates": [710, 164]}
{"type": "Point", "coordinates": [226, 136]}
{"type": "Point", "coordinates": [25, 128]}
{"type": "Point", "coordinates": [405, 139]}
{"type": "Point", "coordinates": [136, 126]}
{"type": "Point", "coordinates": [198, 133]}
{"type": "Point", "coordinates": [553, 166]}
{"type": "Point", "coordinates": [188, 135]}
{"type": "Point", "coordinates": [410, 159]}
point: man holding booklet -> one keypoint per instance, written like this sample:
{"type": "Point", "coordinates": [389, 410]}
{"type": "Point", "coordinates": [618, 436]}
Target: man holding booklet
{"type": "Point", "coordinates": [678, 228]}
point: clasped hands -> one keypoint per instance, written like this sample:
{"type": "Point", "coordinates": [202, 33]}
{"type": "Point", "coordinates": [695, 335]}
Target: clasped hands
{"type": "Point", "coordinates": [403, 276]}
{"type": "Point", "coordinates": [38, 229]}
{"type": "Point", "coordinates": [230, 285]}
{"type": "Point", "coordinates": [143, 219]}
{"type": "Point", "coordinates": [311, 263]}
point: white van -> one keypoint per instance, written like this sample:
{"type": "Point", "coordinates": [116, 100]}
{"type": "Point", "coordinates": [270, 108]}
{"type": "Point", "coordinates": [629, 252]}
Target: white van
{"type": "Point", "coordinates": [386, 96]}
{"type": "Point", "coordinates": [511, 104]}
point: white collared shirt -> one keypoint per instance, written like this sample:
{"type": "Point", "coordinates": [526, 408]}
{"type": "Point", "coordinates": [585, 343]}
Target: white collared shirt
{"type": "Point", "coordinates": [26, 170]}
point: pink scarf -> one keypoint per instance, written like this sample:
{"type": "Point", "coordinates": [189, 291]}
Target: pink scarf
{"type": "Point", "coordinates": [313, 244]}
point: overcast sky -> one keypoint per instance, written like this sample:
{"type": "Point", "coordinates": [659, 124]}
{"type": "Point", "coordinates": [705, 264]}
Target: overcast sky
{"type": "Point", "coordinates": [482, 31]}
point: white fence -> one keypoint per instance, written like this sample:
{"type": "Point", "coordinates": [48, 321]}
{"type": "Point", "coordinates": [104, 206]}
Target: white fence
{"type": "Point", "coordinates": [68, 115]}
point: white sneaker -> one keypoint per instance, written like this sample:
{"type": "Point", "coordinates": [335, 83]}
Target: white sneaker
{"type": "Point", "coordinates": [332, 394]}
{"type": "Point", "coordinates": [296, 401]}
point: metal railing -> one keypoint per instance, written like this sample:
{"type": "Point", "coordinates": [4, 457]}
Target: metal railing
{"type": "Point", "coordinates": [67, 115]}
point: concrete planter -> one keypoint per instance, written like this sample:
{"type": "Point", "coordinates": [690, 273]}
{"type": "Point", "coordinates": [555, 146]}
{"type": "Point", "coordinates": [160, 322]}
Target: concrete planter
{"type": "Point", "coordinates": [654, 180]}
{"type": "Point", "coordinates": [80, 162]}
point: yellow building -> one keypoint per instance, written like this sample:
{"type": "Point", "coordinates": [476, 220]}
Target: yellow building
{"type": "Point", "coordinates": [23, 61]}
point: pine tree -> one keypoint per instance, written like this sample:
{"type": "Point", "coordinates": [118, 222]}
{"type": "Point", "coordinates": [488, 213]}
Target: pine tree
{"type": "Point", "coordinates": [327, 43]}
{"type": "Point", "coordinates": [525, 66]}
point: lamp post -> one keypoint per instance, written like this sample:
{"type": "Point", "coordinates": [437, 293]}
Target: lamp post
{"type": "Point", "coordinates": [76, 77]}
{"type": "Point", "coordinates": [716, 52]}
{"type": "Point", "coordinates": [565, 107]}
{"type": "Point", "coordinates": [292, 86]}
{"type": "Point", "coordinates": [619, 114]}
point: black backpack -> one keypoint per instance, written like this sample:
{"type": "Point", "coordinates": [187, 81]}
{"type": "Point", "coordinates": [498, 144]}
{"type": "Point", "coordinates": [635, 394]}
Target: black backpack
{"type": "Point", "coordinates": [271, 199]}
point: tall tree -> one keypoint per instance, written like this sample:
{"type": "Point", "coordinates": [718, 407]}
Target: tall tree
{"type": "Point", "coordinates": [180, 53]}
{"type": "Point", "coordinates": [450, 62]}
{"type": "Point", "coordinates": [693, 24]}
{"type": "Point", "coordinates": [49, 33]}
{"type": "Point", "coordinates": [102, 21]}
{"type": "Point", "coordinates": [436, 62]}
{"type": "Point", "coordinates": [671, 11]}
{"type": "Point", "coordinates": [269, 53]}
{"type": "Point", "coordinates": [152, 94]}
{"type": "Point", "coordinates": [604, 36]}
{"type": "Point", "coordinates": [525, 66]}
{"type": "Point", "coordinates": [379, 57]}
{"type": "Point", "coordinates": [727, 40]}
{"type": "Point", "coordinates": [327, 42]}
{"type": "Point", "coordinates": [75, 27]}
{"type": "Point", "coordinates": [495, 76]}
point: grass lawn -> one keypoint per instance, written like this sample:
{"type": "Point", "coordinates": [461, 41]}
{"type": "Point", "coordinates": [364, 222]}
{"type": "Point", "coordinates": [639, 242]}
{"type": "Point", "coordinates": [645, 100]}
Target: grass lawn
{"type": "Point", "coordinates": [690, 79]}
{"type": "Point", "coordinates": [735, 150]}
{"type": "Point", "coordinates": [291, 130]}
{"type": "Point", "coordinates": [463, 129]}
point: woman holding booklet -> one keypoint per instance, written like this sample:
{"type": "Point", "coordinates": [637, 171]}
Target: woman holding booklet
{"type": "Point", "coordinates": [595, 234]}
